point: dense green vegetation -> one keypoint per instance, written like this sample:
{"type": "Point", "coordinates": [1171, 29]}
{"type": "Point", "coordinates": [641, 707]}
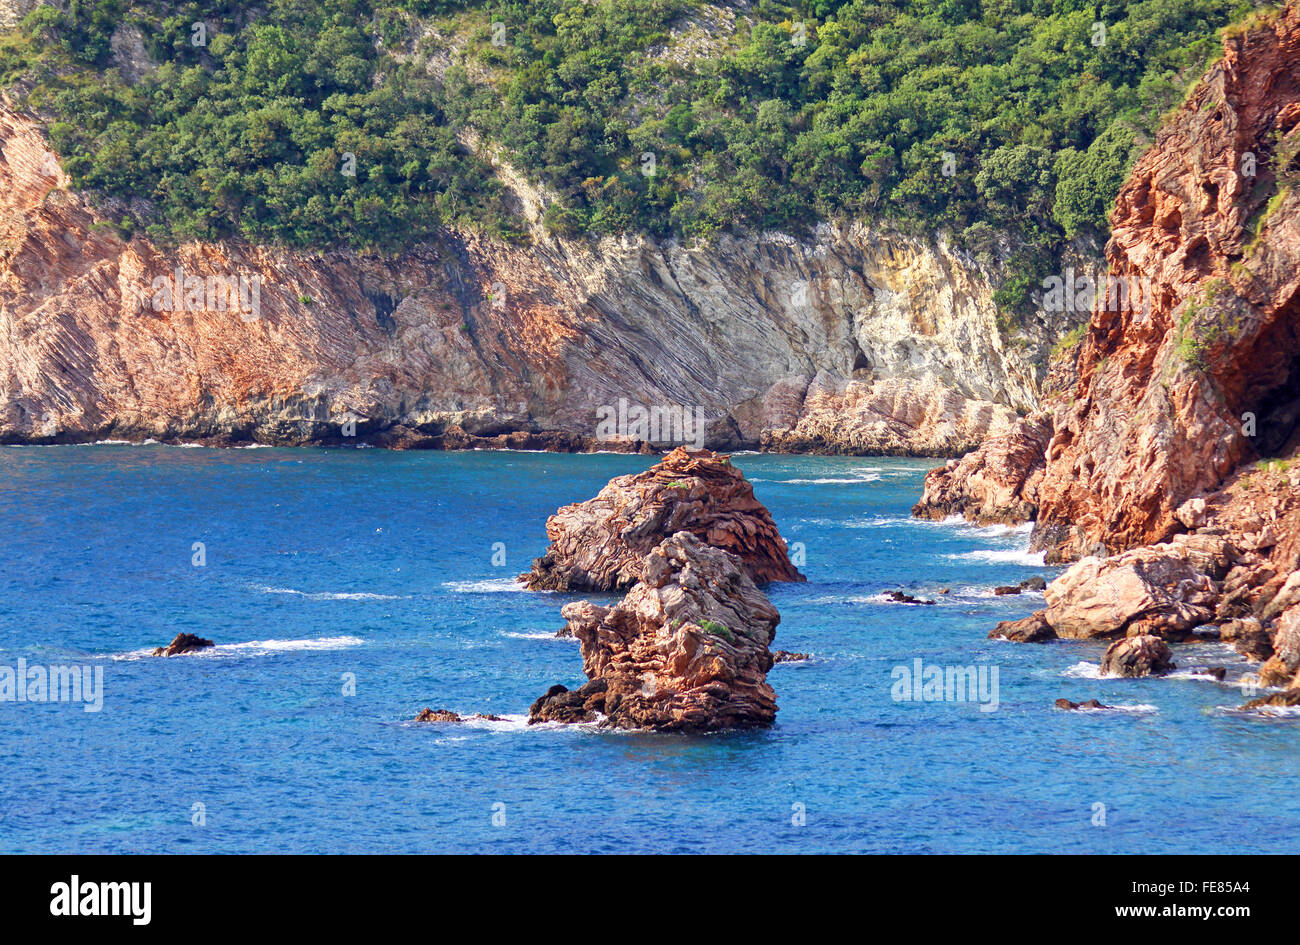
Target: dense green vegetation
{"type": "Point", "coordinates": [994, 119]}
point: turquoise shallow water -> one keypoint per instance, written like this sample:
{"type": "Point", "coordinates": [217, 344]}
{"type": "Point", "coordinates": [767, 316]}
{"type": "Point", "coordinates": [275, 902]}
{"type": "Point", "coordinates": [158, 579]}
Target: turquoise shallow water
{"type": "Point", "coordinates": [322, 563]}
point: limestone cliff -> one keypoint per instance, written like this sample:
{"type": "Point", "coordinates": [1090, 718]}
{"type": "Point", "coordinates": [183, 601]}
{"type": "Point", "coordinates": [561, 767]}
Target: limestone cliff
{"type": "Point", "coordinates": [850, 340]}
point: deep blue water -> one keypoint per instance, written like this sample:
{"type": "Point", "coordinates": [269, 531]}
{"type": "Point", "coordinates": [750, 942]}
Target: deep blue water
{"type": "Point", "coordinates": [321, 563]}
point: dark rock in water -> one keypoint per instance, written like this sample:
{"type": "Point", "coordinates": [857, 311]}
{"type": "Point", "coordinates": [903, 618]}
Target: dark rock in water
{"type": "Point", "coordinates": [685, 651]}
{"type": "Point", "coordinates": [1217, 672]}
{"type": "Point", "coordinates": [1032, 629]}
{"type": "Point", "coordinates": [1145, 655]}
{"type": "Point", "coordinates": [899, 597]}
{"type": "Point", "coordinates": [785, 656]}
{"type": "Point", "coordinates": [600, 544]}
{"type": "Point", "coordinates": [1248, 637]}
{"type": "Point", "coordinates": [479, 716]}
{"type": "Point", "coordinates": [1282, 700]}
{"type": "Point", "coordinates": [1087, 704]}
{"type": "Point", "coordinates": [564, 632]}
{"type": "Point", "coordinates": [184, 643]}
{"type": "Point", "coordinates": [441, 715]}
{"type": "Point", "coordinates": [1004, 590]}
{"type": "Point", "coordinates": [561, 704]}
{"type": "Point", "coordinates": [1034, 583]}
{"type": "Point", "coordinates": [946, 591]}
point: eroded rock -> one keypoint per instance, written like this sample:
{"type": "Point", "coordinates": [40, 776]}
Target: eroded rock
{"type": "Point", "coordinates": [686, 650]}
{"type": "Point", "coordinates": [1166, 589]}
{"type": "Point", "coordinates": [1031, 629]}
{"type": "Point", "coordinates": [1144, 655]}
{"type": "Point", "coordinates": [601, 544]}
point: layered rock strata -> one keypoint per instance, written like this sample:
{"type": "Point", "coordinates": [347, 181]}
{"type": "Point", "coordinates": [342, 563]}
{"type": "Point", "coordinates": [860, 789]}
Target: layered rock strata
{"type": "Point", "coordinates": [602, 543]}
{"type": "Point", "coordinates": [687, 650]}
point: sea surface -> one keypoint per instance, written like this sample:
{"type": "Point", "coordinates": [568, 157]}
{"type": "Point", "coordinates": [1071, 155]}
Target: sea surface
{"type": "Point", "coordinates": [349, 589]}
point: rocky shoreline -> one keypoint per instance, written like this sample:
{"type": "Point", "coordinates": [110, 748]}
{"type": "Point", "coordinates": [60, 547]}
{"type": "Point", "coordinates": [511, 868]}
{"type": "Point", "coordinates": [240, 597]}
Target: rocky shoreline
{"type": "Point", "coordinates": [1169, 477]}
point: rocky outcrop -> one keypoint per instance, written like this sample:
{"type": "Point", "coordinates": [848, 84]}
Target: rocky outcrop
{"type": "Point", "coordinates": [182, 644]}
{"type": "Point", "coordinates": [1283, 667]}
{"type": "Point", "coordinates": [446, 715]}
{"type": "Point", "coordinates": [1031, 629]}
{"type": "Point", "coordinates": [1170, 474]}
{"type": "Point", "coordinates": [1165, 590]}
{"type": "Point", "coordinates": [439, 715]}
{"type": "Point", "coordinates": [1199, 370]}
{"type": "Point", "coordinates": [785, 656]}
{"type": "Point", "coordinates": [894, 417]}
{"type": "Point", "coordinates": [994, 484]}
{"type": "Point", "coordinates": [601, 544]}
{"type": "Point", "coordinates": [997, 483]}
{"type": "Point", "coordinates": [1143, 655]}
{"type": "Point", "coordinates": [851, 339]}
{"type": "Point", "coordinates": [685, 651]}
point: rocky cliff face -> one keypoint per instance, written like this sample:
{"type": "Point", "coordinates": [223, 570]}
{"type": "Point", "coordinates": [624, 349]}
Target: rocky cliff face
{"type": "Point", "coordinates": [1190, 367]}
{"type": "Point", "coordinates": [851, 340]}
{"type": "Point", "coordinates": [1175, 395]}
{"type": "Point", "coordinates": [1171, 471]}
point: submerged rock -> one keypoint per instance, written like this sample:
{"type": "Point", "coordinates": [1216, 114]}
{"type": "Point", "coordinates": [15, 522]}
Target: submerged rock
{"type": "Point", "coordinates": [898, 597]}
{"type": "Point", "coordinates": [600, 544]}
{"type": "Point", "coordinates": [1087, 704]}
{"type": "Point", "coordinates": [184, 643]}
{"type": "Point", "coordinates": [686, 650]}
{"type": "Point", "coordinates": [439, 715]}
{"type": "Point", "coordinates": [1145, 655]}
{"type": "Point", "coordinates": [785, 656]}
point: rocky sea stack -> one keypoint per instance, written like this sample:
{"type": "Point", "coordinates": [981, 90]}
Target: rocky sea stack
{"type": "Point", "coordinates": [601, 544]}
{"type": "Point", "coordinates": [685, 651]}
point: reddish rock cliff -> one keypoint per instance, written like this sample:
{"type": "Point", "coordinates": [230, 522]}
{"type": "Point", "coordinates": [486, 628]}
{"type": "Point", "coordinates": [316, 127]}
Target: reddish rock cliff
{"type": "Point", "coordinates": [1175, 395]}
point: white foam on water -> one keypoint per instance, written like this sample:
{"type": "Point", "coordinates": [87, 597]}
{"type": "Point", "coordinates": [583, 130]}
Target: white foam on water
{"type": "Point", "coordinates": [332, 595]}
{"type": "Point", "coordinates": [1004, 556]}
{"type": "Point", "coordinates": [489, 586]}
{"type": "Point", "coordinates": [1276, 710]}
{"type": "Point", "coordinates": [1140, 707]}
{"type": "Point", "coordinates": [1084, 670]}
{"type": "Point", "coordinates": [535, 636]}
{"type": "Point", "coordinates": [860, 474]}
{"type": "Point", "coordinates": [252, 648]}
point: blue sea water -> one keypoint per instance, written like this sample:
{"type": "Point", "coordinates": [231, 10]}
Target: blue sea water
{"type": "Point", "coordinates": [325, 563]}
